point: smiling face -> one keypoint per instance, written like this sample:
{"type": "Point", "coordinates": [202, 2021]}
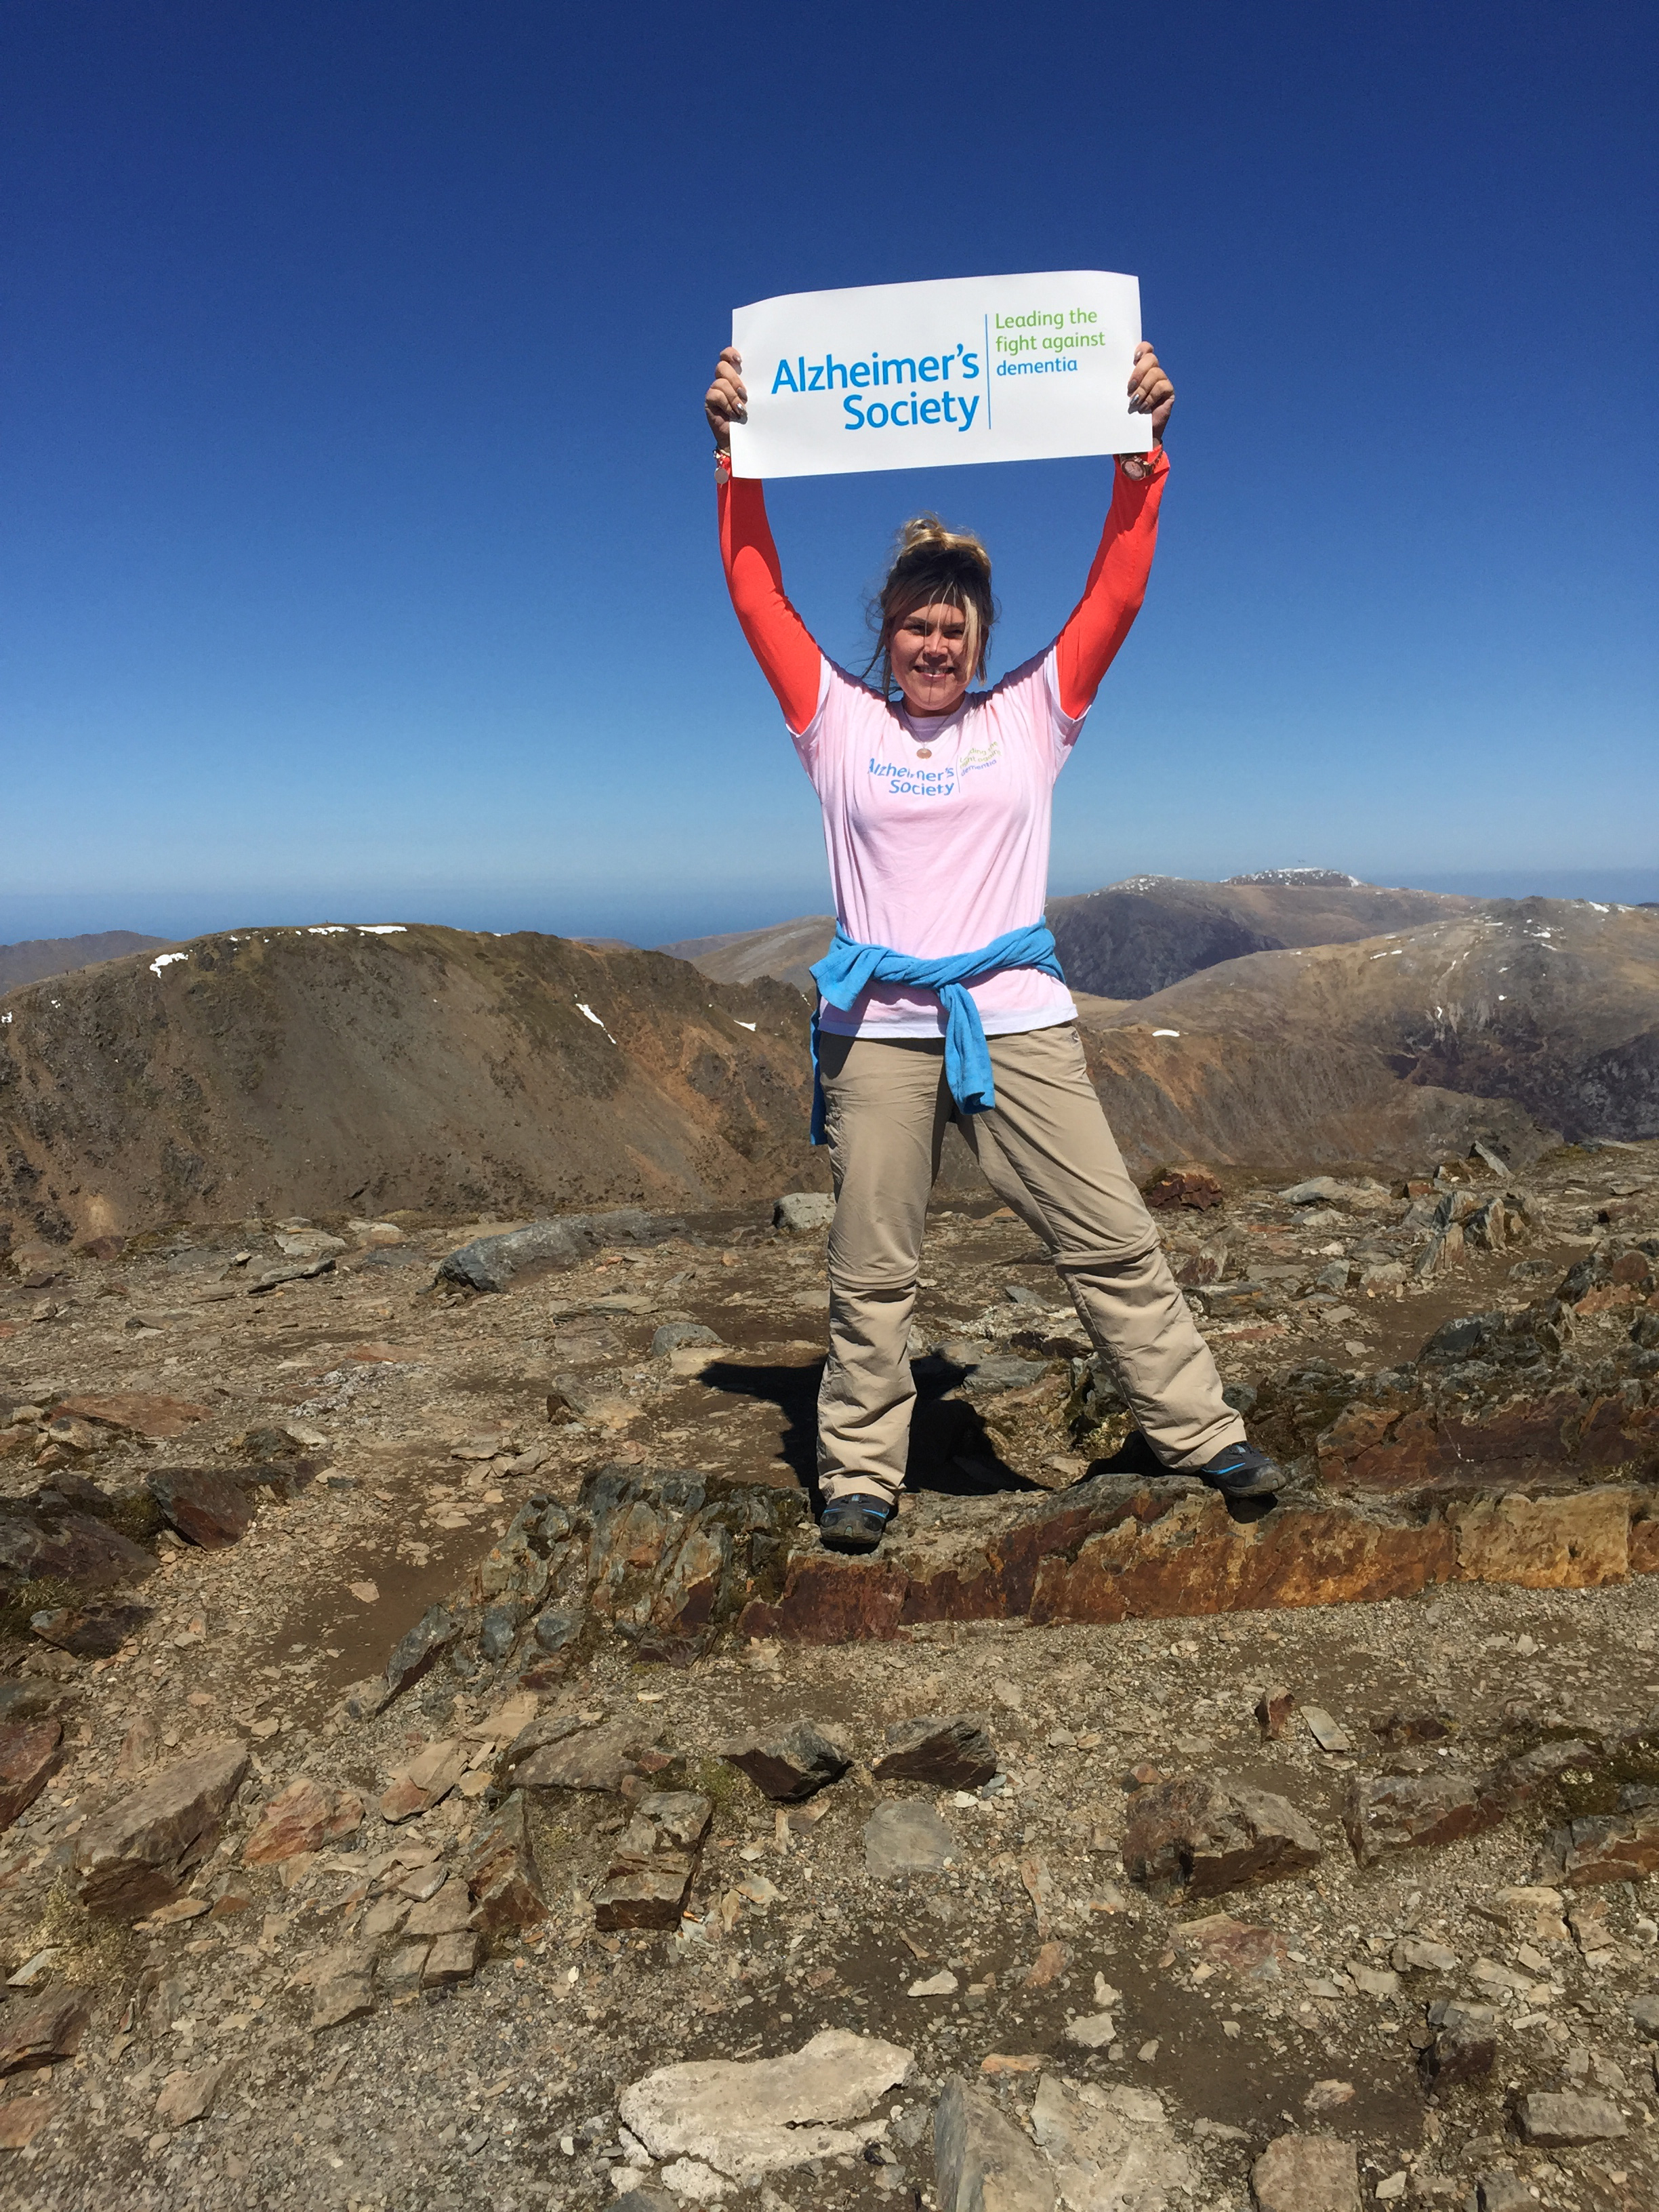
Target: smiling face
{"type": "Point", "coordinates": [933, 650]}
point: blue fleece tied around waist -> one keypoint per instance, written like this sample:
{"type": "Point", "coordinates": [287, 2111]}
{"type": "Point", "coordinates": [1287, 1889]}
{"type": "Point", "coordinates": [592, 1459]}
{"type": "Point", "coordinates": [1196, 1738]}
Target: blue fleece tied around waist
{"type": "Point", "coordinates": [848, 968]}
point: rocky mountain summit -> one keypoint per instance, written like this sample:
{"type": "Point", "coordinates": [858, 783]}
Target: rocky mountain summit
{"type": "Point", "coordinates": [438, 1767]}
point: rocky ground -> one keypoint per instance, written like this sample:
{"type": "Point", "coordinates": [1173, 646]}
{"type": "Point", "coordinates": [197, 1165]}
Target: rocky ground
{"type": "Point", "coordinates": [429, 1736]}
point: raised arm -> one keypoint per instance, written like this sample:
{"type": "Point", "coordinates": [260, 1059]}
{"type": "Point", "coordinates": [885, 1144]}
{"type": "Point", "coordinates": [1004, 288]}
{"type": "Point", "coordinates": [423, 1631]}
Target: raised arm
{"type": "Point", "coordinates": [786, 649]}
{"type": "Point", "coordinates": [1117, 579]}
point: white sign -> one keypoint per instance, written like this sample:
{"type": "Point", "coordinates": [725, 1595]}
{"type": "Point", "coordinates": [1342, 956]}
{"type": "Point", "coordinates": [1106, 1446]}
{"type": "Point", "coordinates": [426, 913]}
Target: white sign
{"type": "Point", "coordinates": [911, 376]}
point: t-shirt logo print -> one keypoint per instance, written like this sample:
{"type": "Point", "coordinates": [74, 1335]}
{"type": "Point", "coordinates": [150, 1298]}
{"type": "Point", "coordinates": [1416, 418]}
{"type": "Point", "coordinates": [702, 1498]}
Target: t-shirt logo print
{"type": "Point", "coordinates": [901, 782]}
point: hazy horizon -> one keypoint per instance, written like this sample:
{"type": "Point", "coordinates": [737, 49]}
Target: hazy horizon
{"type": "Point", "coordinates": [638, 919]}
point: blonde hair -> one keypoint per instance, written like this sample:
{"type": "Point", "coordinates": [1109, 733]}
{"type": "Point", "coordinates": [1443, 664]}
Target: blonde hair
{"type": "Point", "coordinates": [934, 567]}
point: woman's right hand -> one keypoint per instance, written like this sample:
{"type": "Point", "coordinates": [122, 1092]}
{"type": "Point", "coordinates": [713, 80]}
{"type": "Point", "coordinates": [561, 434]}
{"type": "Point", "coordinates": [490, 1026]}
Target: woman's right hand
{"type": "Point", "coordinates": [726, 400]}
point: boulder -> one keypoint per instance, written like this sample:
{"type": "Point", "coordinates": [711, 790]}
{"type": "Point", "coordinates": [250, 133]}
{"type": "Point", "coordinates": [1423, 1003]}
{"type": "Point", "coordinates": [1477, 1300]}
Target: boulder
{"type": "Point", "coordinates": [490, 1263]}
{"type": "Point", "coordinates": [501, 1873]}
{"type": "Point", "coordinates": [188, 2094]}
{"type": "Point", "coordinates": [432, 1634]}
{"type": "Point", "coordinates": [1554, 2120]}
{"type": "Point", "coordinates": [1606, 1847]}
{"type": "Point", "coordinates": [1306, 2174]}
{"type": "Point", "coordinates": [957, 1753]}
{"type": "Point", "coordinates": [1388, 1813]}
{"type": "Point", "coordinates": [675, 1334]}
{"type": "Point", "coordinates": [207, 1508]}
{"type": "Point", "coordinates": [75, 1548]}
{"type": "Point", "coordinates": [601, 1758]}
{"type": "Point", "coordinates": [453, 1958]}
{"type": "Point", "coordinates": [134, 1414]}
{"type": "Point", "coordinates": [341, 1997]}
{"type": "Point", "coordinates": [445, 1912]}
{"type": "Point", "coordinates": [745, 2119]}
{"type": "Point", "coordinates": [906, 1836]}
{"type": "Point", "coordinates": [43, 2029]}
{"type": "Point", "coordinates": [426, 1782]}
{"type": "Point", "coordinates": [981, 2160]}
{"type": "Point", "coordinates": [800, 1212]}
{"type": "Point", "coordinates": [790, 1767]}
{"type": "Point", "coordinates": [91, 1632]}
{"type": "Point", "coordinates": [1112, 2146]}
{"type": "Point", "coordinates": [303, 1817]}
{"type": "Point", "coordinates": [1205, 1836]}
{"type": "Point", "coordinates": [1465, 2046]}
{"type": "Point", "coordinates": [655, 1858]}
{"type": "Point", "coordinates": [31, 1753]}
{"type": "Point", "coordinates": [135, 1852]}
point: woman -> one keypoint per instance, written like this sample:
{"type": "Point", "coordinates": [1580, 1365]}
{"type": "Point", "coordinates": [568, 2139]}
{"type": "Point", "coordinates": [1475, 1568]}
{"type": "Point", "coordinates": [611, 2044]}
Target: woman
{"type": "Point", "coordinates": [942, 997]}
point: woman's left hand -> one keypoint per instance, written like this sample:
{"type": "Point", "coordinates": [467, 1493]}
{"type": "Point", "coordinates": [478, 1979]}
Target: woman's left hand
{"type": "Point", "coordinates": [1151, 391]}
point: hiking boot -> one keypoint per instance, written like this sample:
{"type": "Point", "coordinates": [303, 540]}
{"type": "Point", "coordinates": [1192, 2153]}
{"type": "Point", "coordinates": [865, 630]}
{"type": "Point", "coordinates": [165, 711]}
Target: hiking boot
{"type": "Point", "coordinates": [1240, 1471]}
{"type": "Point", "coordinates": [854, 1523]}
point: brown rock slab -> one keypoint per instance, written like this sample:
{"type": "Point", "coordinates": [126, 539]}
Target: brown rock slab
{"type": "Point", "coordinates": [1402, 1726]}
{"type": "Point", "coordinates": [790, 1767]}
{"type": "Point", "coordinates": [502, 1876]}
{"type": "Point", "coordinates": [431, 1635]}
{"type": "Point", "coordinates": [1554, 2120]}
{"type": "Point", "coordinates": [134, 1414]}
{"type": "Point", "coordinates": [982, 2162]}
{"type": "Point", "coordinates": [1203, 1836]}
{"type": "Point", "coordinates": [30, 1754]}
{"type": "Point", "coordinates": [188, 2095]}
{"type": "Point", "coordinates": [341, 1998]}
{"type": "Point", "coordinates": [1465, 2046]}
{"type": "Point", "coordinates": [953, 1754]}
{"type": "Point", "coordinates": [1273, 1708]}
{"type": "Point", "coordinates": [21, 2119]}
{"type": "Point", "coordinates": [1256, 1954]}
{"type": "Point", "coordinates": [208, 1509]}
{"type": "Point", "coordinates": [453, 1958]}
{"type": "Point", "coordinates": [1051, 1961]}
{"type": "Point", "coordinates": [445, 1914]}
{"type": "Point", "coordinates": [43, 2029]}
{"type": "Point", "coordinates": [600, 1758]}
{"type": "Point", "coordinates": [92, 1631]}
{"type": "Point", "coordinates": [656, 1854]}
{"type": "Point", "coordinates": [426, 1782]}
{"type": "Point", "coordinates": [399, 1972]}
{"type": "Point", "coordinates": [134, 1852]}
{"type": "Point", "coordinates": [1576, 1542]}
{"type": "Point", "coordinates": [77, 1548]}
{"type": "Point", "coordinates": [906, 1836]}
{"type": "Point", "coordinates": [1193, 1188]}
{"type": "Point", "coordinates": [1389, 1813]}
{"type": "Point", "coordinates": [1306, 2174]}
{"type": "Point", "coordinates": [1608, 1847]}
{"type": "Point", "coordinates": [303, 1817]}
{"type": "Point", "coordinates": [648, 1895]}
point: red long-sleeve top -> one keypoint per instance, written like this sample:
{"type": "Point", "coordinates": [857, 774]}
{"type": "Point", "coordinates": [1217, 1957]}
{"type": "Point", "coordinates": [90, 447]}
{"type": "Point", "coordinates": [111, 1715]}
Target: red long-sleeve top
{"type": "Point", "coordinates": [789, 654]}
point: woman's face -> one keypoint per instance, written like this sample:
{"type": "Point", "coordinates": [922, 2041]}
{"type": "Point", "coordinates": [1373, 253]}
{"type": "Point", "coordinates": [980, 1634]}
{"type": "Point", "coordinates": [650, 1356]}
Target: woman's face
{"type": "Point", "coordinates": [930, 660]}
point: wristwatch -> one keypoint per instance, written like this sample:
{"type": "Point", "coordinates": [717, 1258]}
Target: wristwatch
{"type": "Point", "coordinates": [1136, 466]}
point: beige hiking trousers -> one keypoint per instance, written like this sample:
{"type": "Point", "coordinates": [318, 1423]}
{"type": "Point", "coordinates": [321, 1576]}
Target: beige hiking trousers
{"type": "Point", "coordinates": [1046, 1152]}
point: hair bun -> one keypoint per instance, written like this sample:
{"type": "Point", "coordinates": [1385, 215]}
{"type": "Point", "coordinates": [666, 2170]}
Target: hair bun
{"type": "Point", "coordinates": [925, 534]}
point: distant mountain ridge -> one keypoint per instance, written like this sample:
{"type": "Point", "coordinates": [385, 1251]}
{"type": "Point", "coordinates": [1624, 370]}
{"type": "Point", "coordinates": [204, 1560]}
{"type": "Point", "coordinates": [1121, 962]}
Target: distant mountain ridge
{"type": "Point", "coordinates": [316, 1071]}
{"type": "Point", "coordinates": [36, 957]}
{"type": "Point", "coordinates": [1134, 938]}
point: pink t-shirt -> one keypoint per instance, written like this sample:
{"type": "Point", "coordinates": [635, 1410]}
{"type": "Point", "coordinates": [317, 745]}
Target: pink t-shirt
{"type": "Point", "coordinates": [937, 829]}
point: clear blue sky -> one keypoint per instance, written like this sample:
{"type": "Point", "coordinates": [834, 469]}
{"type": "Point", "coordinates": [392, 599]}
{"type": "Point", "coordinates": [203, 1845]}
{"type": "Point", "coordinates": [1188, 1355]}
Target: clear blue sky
{"type": "Point", "coordinates": [357, 555]}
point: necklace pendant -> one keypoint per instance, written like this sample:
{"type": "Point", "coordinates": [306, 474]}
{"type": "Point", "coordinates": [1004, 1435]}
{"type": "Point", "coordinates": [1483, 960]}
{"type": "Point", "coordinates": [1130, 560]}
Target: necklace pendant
{"type": "Point", "coordinates": [924, 752]}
